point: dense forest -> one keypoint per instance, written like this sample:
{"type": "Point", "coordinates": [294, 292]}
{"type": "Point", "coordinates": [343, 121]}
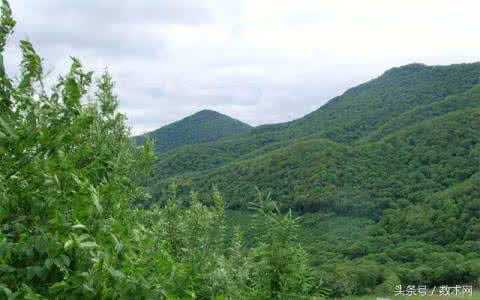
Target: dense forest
{"type": "Point", "coordinates": [375, 189]}
{"type": "Point", "coordinates": [384, 177]}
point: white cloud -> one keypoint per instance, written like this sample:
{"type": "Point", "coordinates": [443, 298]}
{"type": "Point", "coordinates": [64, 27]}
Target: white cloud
{"type": "Point", "coordinates": [259, 61]}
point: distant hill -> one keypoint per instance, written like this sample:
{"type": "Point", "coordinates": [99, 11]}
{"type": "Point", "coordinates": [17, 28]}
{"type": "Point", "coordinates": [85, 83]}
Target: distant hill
{"type": "Point", "coordinates": [314, 175]}
{"type": "Point", "coordinates": [201, 127]}
{"type": "Point", "coordinates": [398, 98]}
{"type": "Point", "coordinates": [399, 154]}
{"type": "Point", "coordinates": [398, 138]}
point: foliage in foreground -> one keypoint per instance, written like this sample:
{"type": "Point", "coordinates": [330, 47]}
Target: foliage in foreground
{"type": "Point", "coordinates": [70, 180]}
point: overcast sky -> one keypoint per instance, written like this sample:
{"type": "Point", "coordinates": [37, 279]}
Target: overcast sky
{"type": "Point", "coordinates": [261, 61]}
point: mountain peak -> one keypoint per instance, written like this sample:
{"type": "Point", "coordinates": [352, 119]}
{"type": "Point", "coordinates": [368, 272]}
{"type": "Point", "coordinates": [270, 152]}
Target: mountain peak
{"type": "Point", "coordinates": [207, 112]}
{"type": "Point", "coordinates": [201, 127]}
{"type": "Point", "coordinates": [406, 69]}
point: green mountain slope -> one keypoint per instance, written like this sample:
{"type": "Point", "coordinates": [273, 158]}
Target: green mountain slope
{"type": "Point", "coordinates": [376, 108]}
{"type": "Point", "coordinates": [390, 164]}
{"type": "Point", "coordinates": [370, 105]}
{"type": "Point", "coordinates": [449, 216]}
{"type": "Point", "coordinates": [385, 176]}
{"type": "Point", "coordinates": [470, 98]}
{"type": "Point", "coordinates": [418, 188]}
{"type": "Point", "coordinates": [204, 126]}
{"type": "Point", "coordinates": [320, 175]}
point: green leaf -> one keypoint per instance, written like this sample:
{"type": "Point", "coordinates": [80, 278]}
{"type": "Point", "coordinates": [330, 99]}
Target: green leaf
{"type": "Point", "coordinates": [116, 273]}
{"type": "Point", "coordinates": [96, 200]}
{"type": "Point", "coordinates": [79, 226]}
{"type": "Point", "coordinates": [6, 291]}
{"type": "Point", "coordinates": [7, 23]}
{"type": "Point", "coordinates": [88, 245]}
{"type": "Point", "coordinates": [68, 244]}
{"type": "Point", "coordinates": [7, 128]}
{"type": "Point", "coordinates": [66, 260]}
{"type": "Point", "coordinates": [88, 288]}
{"type": "Point", "coordinates": [58, 285]}
{"type": "Point", "coordinates": [82, 237]}
{"type": "Point", "coordinates": [118, 245]}
{"type": "Point", "coordinates": [49, 263]}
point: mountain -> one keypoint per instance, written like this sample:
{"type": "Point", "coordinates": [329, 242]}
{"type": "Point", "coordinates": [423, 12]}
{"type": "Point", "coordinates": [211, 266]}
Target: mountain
{"type": "Point", "coordinates": [386, 179]}
{"type": "Point", "coordinates": [399, 138]}
{"type": "Point", "coordinates": [393, 141]}
{"type": "Point", "coordinates": [315, 175]}
{"type": "Point", "coordinates": [201, 127]}
{"type": "Point", "coordinates": [377, 107]}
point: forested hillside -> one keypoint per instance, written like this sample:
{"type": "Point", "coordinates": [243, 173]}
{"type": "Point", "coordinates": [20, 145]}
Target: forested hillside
{"type": "Point", "coordinates": [204, 126]}
{"type": "Point", "coordinates": [379, 187]}
{"type": "Point", "coordinates": [318, 174]}
{"type": "Point", "coordinates": [398, 156]}
{"type": "Point", "coordinates": [375, 106]}
{"type": "Point", "coordinates": [399, 99]}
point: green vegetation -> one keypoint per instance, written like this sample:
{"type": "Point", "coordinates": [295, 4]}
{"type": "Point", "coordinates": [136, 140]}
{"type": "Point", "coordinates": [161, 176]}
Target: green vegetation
{"type": "Point", "coordinates": [385, 178]}
{"type": "Point", "coordinates": [377, 188]}
{"type": "Point", "coordinates": [418, 187]}
{"type": "Point", "coordinates": [354, 255]}
{"type": "Point", "coordinates": [318, 174]}
{"type": "Point", "coordinates": [204, 126]}
{"type": "Point", "coordinates": [375, 108]}
{"type": "Point", "coordinates": [70, 182]}
{"type": "Point", "coordinates": [474, 297]}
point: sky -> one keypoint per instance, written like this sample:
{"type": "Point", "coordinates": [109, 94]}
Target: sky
{"type": "Point", "coordinates": [260, 61]}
